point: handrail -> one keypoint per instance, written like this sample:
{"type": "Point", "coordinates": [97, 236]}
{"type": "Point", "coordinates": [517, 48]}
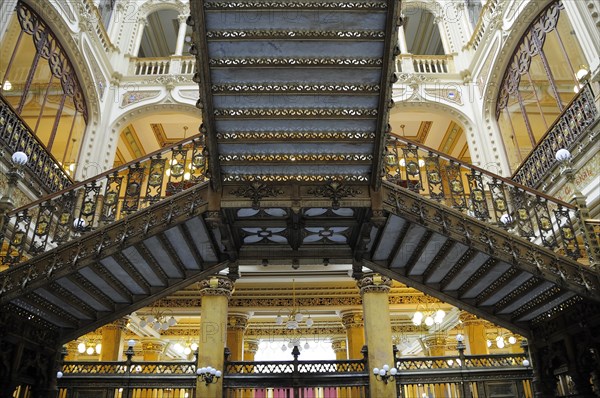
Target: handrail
{"type": "Point", "coordinates": [445, 363]}
{"type": "Point", "coordinates": [565, 132]}
{"type": "Point", "coordinates": [482, 22]}
{"type": "Point", "coordinates": [105, 198]}
{"type": "Point", "coordinates": [16, 135]}
{"type": "Point", "coordinates": [481, 194]}
{"type": "Point", "coordinates": [100, 29]}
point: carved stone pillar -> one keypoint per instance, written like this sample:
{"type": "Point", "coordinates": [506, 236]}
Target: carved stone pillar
{"type": "Point", "coordinates": [215, 293]}
{"type": "Point", "coordinates": [374, 290]}
{"type": "Point", "coordinates": [340, 349]}
{"type": "Point", "coordinates": [355, 332]}
{"type": "Point", "coordinates": [236, 326]}
{"type": "Point", "coordinates": [152, 349]}
{"type": "Point", "coordinates": [181, 34]}
{"type": "Point", "coordinates": [112, 341]}
{"type": "Point", "coordinates": [474, 329]}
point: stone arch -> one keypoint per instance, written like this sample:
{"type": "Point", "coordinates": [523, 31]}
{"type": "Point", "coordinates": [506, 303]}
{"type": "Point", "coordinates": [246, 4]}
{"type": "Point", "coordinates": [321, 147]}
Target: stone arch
{"type": "Point", "coordinates": [463, 120]}
{"type": "Point", "coordinates": [152, 6]}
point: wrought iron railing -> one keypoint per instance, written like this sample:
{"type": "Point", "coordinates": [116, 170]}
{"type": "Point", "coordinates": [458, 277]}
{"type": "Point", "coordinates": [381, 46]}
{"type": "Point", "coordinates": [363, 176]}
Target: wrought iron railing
{"type": "Point", "coordinates": [113, 368]}
{"type": "Point", "coordinates": [566, 132]}
{"type": "Point", "coordinates": [482, 195]}
{"type": "Point", "coordinates": [15, 136]}
{"type": "Point", "coordinates": [466, 362]}
{"type": "Point", "coordinates": [465, 376]}
{"type": "Point", "coordinates": [103, 199]}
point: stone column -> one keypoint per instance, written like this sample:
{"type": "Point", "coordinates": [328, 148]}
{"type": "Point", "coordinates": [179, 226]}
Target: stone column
{"type": "Point", "coordinates": [180, 35]}
{"type": "Point", "coordinates": [152, 349]}
{"type": "Point", "coordinates": [436, 347]}
{"type": "Point", "coordinates": [112, 341]}
{"type": "Point", "coordinates": [142, 23]}
{"type": "Point", "coordinates": [374, 289]}
{"type": "Point", "coordinates": [236, 326]}
{"type": "Point", "coordinates": [402, 41]}
{"type": "Point", "coordinates": [340, 349]}
{"type": "Point", "coordinates": [215, 293]}
{"type": "Point", "coordinates": [355, 332]}
{"type": "Point", "coordinates": [474, 329]}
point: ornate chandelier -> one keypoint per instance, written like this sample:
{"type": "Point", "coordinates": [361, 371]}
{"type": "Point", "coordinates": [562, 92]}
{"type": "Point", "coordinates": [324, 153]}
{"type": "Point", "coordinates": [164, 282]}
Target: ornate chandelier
{"type": "Point", "coordinates": [294, 317]}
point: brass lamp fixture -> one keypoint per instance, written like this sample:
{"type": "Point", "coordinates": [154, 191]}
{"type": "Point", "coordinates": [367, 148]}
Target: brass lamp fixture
{"type": "Point", "coordinates": [208, 374]}
{"type": "Point", "coordinates": [294, 317]}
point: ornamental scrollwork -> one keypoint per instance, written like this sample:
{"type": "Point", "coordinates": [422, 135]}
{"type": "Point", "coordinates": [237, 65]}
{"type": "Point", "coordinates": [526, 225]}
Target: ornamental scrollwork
{"type": "Point", "coordinates": [248, 61]}
{"type": "Point", "coordinates": [366, 5]}
{"type": "Point", "coordinates": [257, 191]}
{"type": "Point", "coordinates": [335, 191]}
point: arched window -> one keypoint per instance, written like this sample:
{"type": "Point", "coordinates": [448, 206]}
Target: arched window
{"type": "Point", "coordinates": [540, 81]}
{"type": "Point", "coordinates": [39, 82]}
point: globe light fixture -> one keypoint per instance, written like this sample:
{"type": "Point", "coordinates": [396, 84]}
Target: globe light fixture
{"type": "Point", "coordinates": [385, 373]}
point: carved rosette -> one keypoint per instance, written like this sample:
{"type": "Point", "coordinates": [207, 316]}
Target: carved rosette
{"type": "Point", "coordinates": [352, 319]}
{"type": "Point", "coordinates": [338, 345]}
{"type": "Point", "coordinates": [374, 283]}
{"type": "Point", "coordinates": [216, 286]}
{"type": "Point", "coordinates": [237, 322]}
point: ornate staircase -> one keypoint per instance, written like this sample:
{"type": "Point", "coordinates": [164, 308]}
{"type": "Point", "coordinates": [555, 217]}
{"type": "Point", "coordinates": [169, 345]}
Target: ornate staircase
{"type": "Point", "coordinates": [295, 99]}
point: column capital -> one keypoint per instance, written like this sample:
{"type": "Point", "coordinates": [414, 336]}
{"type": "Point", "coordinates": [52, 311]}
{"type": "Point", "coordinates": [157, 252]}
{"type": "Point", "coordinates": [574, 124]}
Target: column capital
{"type": "Point", "coordinates": [251, 346]}
{"type": "Point", "coordinates": [352, 319]}
{"type": "Point", "coordinates": [237, 321]}
{"type": "Point", "coordinates": [119, 324]}
{"type": "Point", "coordinates": [216, 286]}
{"type": "Point", "coordinates": [153, 345]}
{"type": "Point", "coordinates": [433, 341]}
{"type": "Point", "coordinates": [338, 345]}
{"type": "Point", "coordinates": [374, 283]}
{"type": "Point", "coordinates": [182, 18]}
{"type": "Point", "coordinates": [470, 319]}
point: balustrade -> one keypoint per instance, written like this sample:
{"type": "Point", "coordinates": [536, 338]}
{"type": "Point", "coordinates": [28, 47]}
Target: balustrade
{"type": "Point", "coordinates": [435, 64]}
{"type": "Point", "coordinates": [176, 65]}
{"type": "Point", "coordinates": [482, 195]}
{"type": "Point", "coordinates": [15, 136]}
{"type": "Point", "coordinates": [567, 131]}
{"type": "Point", "coordinates": [487, 13]}
{"type": "Point", "coordinates": [106, 198]}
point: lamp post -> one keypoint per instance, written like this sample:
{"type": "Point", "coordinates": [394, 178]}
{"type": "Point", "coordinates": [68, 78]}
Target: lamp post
{"type": "Point", "coordinates": [563, 156]}
{"type": "Point", "coordinates": [460, 346]}
{"type": "Point", "coordinates": [19, 159]}
{"type": "Point", "coordinates": [129, 353]}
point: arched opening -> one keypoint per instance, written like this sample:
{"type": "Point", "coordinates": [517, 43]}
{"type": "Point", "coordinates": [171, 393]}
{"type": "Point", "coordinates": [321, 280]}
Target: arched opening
{"type": "Point", "coordinates": [151, 132]}
{"type": "Point", "coordinates": [39, 82]}
{"type": "Point", "coordinates": [160, 35]}
{"type": "Point", "coordinates": [542, 78]}
{"type": "Point", "coordinates": [422, 32]}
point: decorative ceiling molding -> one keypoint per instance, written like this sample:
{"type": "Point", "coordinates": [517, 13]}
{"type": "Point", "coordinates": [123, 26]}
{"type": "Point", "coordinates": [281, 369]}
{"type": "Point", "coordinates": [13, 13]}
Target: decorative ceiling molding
{"type": "Point", "coordinates": [132, 142]}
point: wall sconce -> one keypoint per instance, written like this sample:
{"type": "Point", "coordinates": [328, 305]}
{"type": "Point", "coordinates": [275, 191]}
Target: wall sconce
{"type": "Point", "coordinates": [526, 363]}
{"type": "Point", "coordinates": [208, 374]}
{"type": "Point", "coordinates": [385, 374]}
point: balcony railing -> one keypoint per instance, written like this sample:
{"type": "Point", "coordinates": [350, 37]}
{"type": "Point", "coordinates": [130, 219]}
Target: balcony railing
{"type": "Point", "coordinates": [307, 378]}
{"type": "Point", "coordinates": [434, 64]}
{"type": "Point", "coordinates": [483, 195]}
{"type": "Point", "coordinates": [566, 132]}
{"type": "Point", "coordinates": [106, 198]}
{"type": "Point", "coordinates": [465, 376]}
{"type": "Point", "coordinates": [175, 65]}
{"type": "Point", "coordinates": [91, 10]}
{"type": "Point", "coordinates": [43, 168]}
